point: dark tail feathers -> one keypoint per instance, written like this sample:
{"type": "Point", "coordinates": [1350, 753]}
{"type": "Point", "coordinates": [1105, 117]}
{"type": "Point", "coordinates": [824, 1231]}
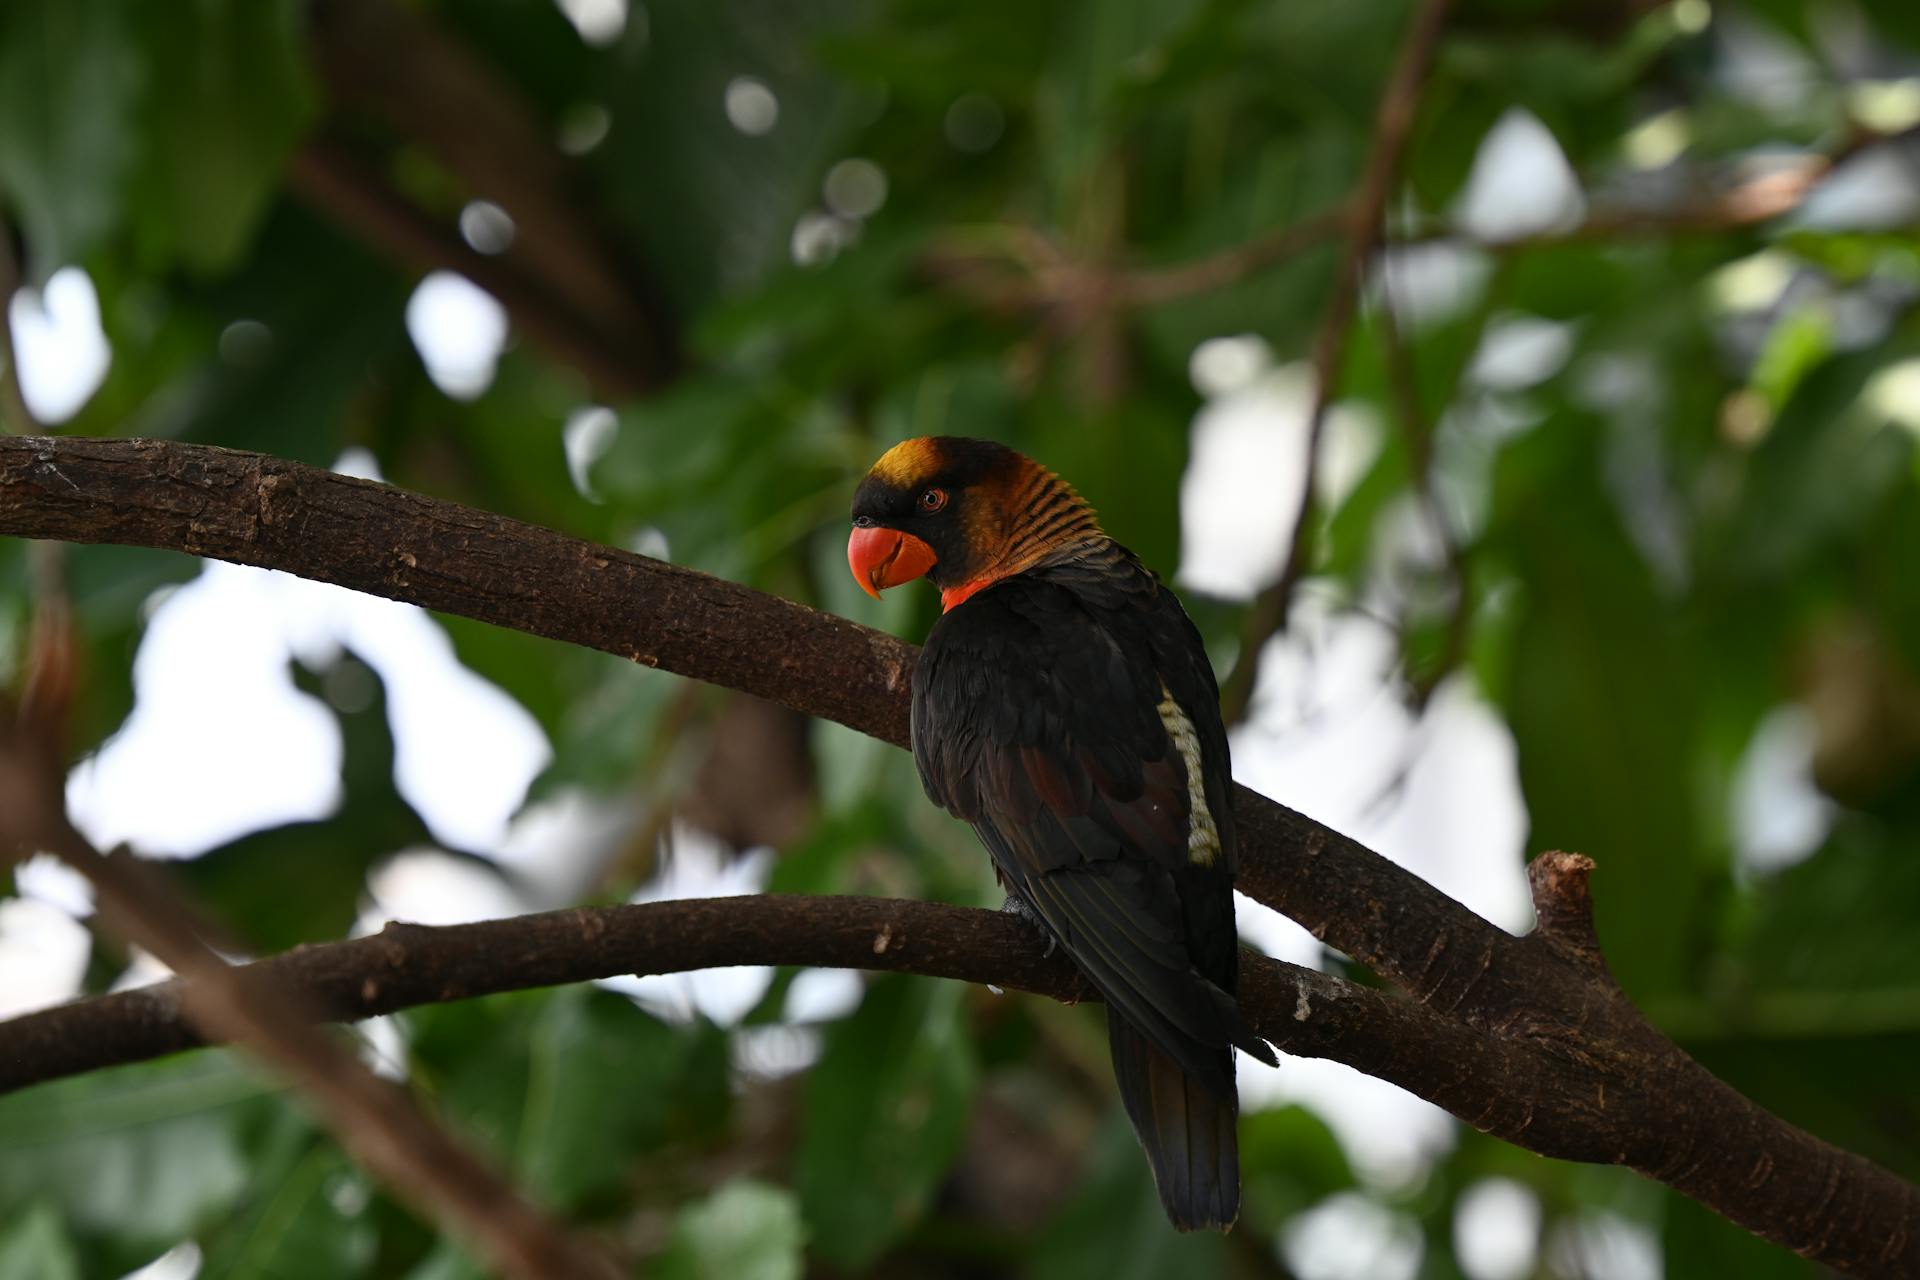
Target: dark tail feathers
{"type": "Point", "coordinates": [1186, 1126]}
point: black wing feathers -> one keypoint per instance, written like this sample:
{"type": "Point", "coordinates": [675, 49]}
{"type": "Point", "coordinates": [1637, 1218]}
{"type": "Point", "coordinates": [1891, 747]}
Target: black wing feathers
{"type": "Point", "coordinates": [1035, 718]}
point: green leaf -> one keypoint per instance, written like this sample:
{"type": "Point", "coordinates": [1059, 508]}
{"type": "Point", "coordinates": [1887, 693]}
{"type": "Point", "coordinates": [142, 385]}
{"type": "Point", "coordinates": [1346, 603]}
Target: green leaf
{"type": "Point", "coordinates": [335, 319]}
{"type": "Point", "coordinates": [886, 1114]}
{"type": "Point", "coordinates": [1800, 340]}
{"type": "Point", "coordinates": [572, 1086]}
{"type": "Point", "coordinates": [1289, 1162]}
{"type": "Point", "coordinates": [746, 1230]}
{"type": "Point", "coordinates": [70, 80]}
{"type": "Point", "coordinates": [1897, 19]}
{"type": "Point", "coordinates": [306, 1214]}
{"type": "Point", "coordinates": [600, 1091]}
{"type": "Point", "coordinates": [144, 1156]}
{"type": "Point", "coordinates": [1595, 647]}
{"type": "Point", "coordinates": [35, 1246]}
{"type": "Point", "coordinates": [229, 94]}
{"type": "Point", "coordinates": [1113, 47]}
{"type": "Point", "coordinates": [735, 197]}
{"type": "Point", "coordinates": [448, 1262]}
{"type": "Point", "coordinates": [1817, 477]}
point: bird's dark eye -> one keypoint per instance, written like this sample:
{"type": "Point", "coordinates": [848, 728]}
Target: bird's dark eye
{"type": "Point", "coordinates": [863, 522]}
{"type": "Point", "coordinates": [931, 500]}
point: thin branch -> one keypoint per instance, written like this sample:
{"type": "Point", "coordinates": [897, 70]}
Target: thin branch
{"type": "Point", "coordinates": [1392, 126]}
{"type": "Point", "coordinates": [406, 965]}
{"type": "Point", "coordinates": [1010, 269]}
{"type": "Point", "coordinates": [1016, 270]}
{"type": "Point", "coordinates": [1156, 286]}
{"type": "Point", "coordinates": [1563, 906]}
{"type": "Point", "coordinates": [1750, 203]}
{"type": "Point", "coordinates": [377, 1122]}
{"type": "Point", "coordinates": [1417, 430]}
{"type": "Point", "coordinates": [1613, 1089]}
{"type": "Point", "coordinates": [16, 416]}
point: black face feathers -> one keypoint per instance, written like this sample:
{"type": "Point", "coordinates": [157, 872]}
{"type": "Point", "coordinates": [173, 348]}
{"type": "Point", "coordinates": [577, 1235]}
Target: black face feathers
{"type": "Point", "coordinates": [983, 509]}
{"type": "Point", "coordinates": [945, 491]}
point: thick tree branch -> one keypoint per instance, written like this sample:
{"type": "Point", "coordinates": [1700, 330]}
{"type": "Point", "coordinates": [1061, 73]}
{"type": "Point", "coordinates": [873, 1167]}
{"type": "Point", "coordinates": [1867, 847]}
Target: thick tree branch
{"type": "Point", "coordinates": [1595, 1081]}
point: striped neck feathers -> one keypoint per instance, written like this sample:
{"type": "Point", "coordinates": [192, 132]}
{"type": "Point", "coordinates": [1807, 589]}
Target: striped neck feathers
{"type": "Point", "coordinates": [1036, 519]}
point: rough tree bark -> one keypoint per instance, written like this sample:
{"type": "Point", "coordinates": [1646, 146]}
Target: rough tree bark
{"type": "Point", "coordinates": [1528, 1039]}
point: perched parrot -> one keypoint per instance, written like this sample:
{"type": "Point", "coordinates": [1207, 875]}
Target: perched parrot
{"type": "Point", "coordinates": [1064, 707]}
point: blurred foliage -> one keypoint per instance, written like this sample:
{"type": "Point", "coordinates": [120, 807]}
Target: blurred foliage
{"type": "Point", "coordinates": [1707, 511]}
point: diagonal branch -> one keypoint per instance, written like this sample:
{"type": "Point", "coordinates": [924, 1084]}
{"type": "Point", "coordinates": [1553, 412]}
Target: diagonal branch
{"type": "Point", "coordinates": [1626, 1094]}
{"type": "Point", "coordinates": [1391, 128]}
{"type": "Point", "coordinates": [377, 1122]}
{"type": "Point", "coordinates": [1417, 432]}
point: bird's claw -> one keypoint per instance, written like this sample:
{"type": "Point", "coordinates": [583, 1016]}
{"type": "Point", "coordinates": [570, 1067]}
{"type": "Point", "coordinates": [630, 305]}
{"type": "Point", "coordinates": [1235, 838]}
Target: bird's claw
{"type": "Point", "coordinates": [1015, 905]}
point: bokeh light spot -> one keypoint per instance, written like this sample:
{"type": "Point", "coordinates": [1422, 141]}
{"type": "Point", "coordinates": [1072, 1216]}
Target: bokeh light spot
{"type": "Point", "coordinates": [751, 106]}
{"type": "Point", "coordinates": [486, 227]}
{"type": "Point", "coordinates": [459, 331]}
{"type": "Point", "coordinates": [974, 123]}
{"type": "Point", "coordinates": [855, 188]}
{"type": "Point", "coordinates": [62, 349]}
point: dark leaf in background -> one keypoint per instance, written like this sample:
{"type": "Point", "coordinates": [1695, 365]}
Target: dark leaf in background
{"type": "Point", "coordinates": [746, 1230]}
{"type": "Point", "coordinates": [1297, 1160]}
{"type": "Point", "coordinates": [572, 1087]}
{"type": "Point", "coordinates": [34, 1243]}
{"type": "Point", "coordinates": [601, 1092]}
{"type": "Point", "coordinates": [305, 1214]}
{"type": "Point", "coordinates": [70, 82]}
{"type": "Point", "coordinates": [886, 1113]}
{"type": "Point", "coordinates": [1114, 1228]}
{"type": "Point", "coordinates": [227, 93]}
{"type": "Point", "coordinates": [1605, 706]}
{"type": "Point", "coordinates": [135, 1159]}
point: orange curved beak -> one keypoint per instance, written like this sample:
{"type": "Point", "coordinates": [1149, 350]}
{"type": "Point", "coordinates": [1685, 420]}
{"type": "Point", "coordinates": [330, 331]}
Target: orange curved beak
{"type": "Point", "coordinates": [882, 558]}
